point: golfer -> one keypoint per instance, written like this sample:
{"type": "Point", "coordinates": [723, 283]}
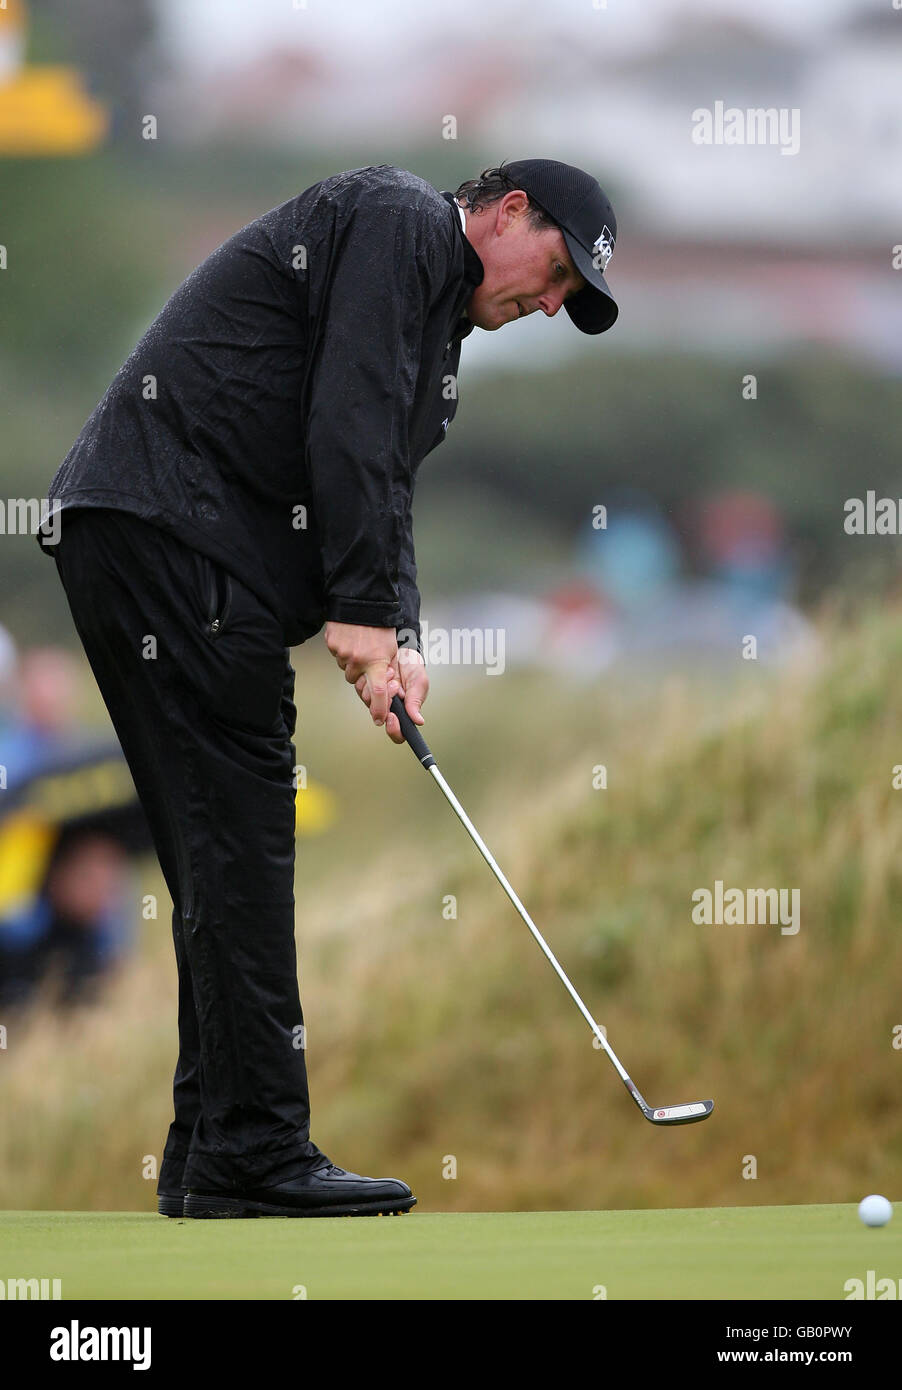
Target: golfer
{"type": "Point", "coordinates": [245, 482]}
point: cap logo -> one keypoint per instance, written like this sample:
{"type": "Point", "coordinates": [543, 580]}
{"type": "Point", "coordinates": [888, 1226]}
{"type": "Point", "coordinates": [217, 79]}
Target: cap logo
{"type": "Point", "coordinates": [603, 249]}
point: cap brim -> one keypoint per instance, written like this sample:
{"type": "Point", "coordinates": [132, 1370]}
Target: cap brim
{"type": "Point", "coordinates": [594, 309]}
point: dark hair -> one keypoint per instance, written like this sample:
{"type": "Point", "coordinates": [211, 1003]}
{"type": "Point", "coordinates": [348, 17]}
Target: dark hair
{"type": "Point", "coordinates": [491, 186]}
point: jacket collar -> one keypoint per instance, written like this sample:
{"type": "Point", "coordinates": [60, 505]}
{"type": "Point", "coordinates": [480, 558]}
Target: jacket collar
{"type": "Point", "coordinates": [474, 272]}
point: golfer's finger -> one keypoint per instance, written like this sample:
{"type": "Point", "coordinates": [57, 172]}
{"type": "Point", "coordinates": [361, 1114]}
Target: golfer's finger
{"type": "Point", "coordinates": [377, 684]}
{"type": "Point", "coordinates": [415, 691]}
{"type": "Point", "coordinates": [393, 728]}
{"type": "Point", "coordinates": [413, 709]}
{"type": "Point", "coordinates": [362, 689]}
{"type": "Point", "coordinates": [394, 688]}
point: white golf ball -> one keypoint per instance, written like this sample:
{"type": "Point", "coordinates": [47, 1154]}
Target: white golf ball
{"type": "Point", "coordinates": [874, 1210]}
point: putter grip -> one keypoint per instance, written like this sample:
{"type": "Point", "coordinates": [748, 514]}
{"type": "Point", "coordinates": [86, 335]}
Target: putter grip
{"type": "Point", "coordinates": [411, 733]}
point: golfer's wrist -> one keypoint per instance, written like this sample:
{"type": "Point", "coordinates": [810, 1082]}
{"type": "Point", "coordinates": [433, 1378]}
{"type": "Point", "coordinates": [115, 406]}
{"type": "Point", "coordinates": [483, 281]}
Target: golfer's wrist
{"type": "Point", "coordinates": [409, 641]}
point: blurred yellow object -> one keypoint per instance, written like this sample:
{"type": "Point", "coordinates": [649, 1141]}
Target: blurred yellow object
{"type": "Point", "coordinates": [43, 110]}
{"type": "Point", "coordinates": [316, 809]}
{"type": "Point", "coordinates": [46, 111]}
{"type": "Point", "coordinates": [91, 786]}
{"type": "Point", "coordinates": [26, 842]}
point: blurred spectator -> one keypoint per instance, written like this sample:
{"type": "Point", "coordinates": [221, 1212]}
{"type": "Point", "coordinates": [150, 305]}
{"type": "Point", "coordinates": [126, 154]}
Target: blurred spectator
{"type": "Point", "coordinates": [635, 558]}
{"type": "Point", "coordinates": [579, 633]}
{"type": "Point", "coordinates": [737, 546]}
{"type": "Point", "coordinates": [741, 543]}
{"type": "Point", "coordinates": [7, 679]}
{"type": "Point", "coordinates": [66, 892]}
{"type": "Point", "coordinates": [43, 690]}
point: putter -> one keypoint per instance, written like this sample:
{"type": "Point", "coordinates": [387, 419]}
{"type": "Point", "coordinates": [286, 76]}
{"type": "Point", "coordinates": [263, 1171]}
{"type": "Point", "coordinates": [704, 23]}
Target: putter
{"type": "Point", "coordinates": [658, 1115]}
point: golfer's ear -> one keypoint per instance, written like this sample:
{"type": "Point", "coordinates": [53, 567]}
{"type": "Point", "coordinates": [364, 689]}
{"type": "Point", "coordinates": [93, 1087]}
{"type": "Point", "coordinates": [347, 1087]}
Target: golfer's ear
{"type": "Point", "coordinates": [512, 206]}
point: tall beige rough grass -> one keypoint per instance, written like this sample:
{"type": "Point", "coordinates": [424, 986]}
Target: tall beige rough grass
{"type": "Point", "coordinates": [439, 1045]}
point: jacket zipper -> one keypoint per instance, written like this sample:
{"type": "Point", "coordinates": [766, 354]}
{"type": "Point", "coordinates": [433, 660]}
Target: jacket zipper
{"type": "Point", "coordinates": [219, 598]}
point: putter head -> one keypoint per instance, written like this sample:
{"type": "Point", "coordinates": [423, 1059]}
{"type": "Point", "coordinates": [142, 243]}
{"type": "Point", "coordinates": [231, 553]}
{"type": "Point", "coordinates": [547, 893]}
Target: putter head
{"type": "Point", "coordinates": [679, 1114]}
{"type": "Point", "coordinates": [670, 1114]}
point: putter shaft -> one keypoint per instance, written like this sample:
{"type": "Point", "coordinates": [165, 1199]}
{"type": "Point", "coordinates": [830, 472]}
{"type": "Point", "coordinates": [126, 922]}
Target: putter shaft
{"type": "Point", "coordinates": [668, 1115]}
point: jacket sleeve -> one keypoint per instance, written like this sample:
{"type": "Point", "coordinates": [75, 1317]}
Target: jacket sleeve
{"type": "Point", "coordinates": [362, 390]}
{"type": "Point", "coordinates": [409, 627]}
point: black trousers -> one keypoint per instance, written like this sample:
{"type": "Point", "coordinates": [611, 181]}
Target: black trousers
{"type": "Point", "coordinates": [199, 686]}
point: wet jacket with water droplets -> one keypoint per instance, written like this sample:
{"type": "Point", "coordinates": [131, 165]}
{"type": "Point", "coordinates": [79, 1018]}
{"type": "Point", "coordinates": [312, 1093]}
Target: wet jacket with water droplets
{"type": "Point", "coordinates": [275, 413]}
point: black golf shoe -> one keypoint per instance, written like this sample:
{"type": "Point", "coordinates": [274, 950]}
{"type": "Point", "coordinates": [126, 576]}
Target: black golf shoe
{"type": "Point", "coordinates": [171, 1203]}
{"type": "Point", "coordinates": [326, 1191]}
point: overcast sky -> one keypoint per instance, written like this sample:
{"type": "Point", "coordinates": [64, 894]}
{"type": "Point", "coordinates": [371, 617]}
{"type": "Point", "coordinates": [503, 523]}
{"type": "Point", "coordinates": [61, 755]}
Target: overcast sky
{"type": "Point", "coordinates": [217, 33]}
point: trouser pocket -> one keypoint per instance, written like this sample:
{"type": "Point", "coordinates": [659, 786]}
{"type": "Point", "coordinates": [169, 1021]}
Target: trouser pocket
{"type": "Point", "coordinates": [218, 594]}
{"type": "Point", "coordinates": [242, 661]}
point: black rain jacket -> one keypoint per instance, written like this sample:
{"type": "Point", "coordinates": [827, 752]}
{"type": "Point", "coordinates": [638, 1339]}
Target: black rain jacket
{"type": "Point", "coordinates": [275, 413]}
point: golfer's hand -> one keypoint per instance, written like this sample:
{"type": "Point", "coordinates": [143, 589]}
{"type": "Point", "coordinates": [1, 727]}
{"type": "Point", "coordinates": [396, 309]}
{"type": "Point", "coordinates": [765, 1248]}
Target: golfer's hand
{"type": "Point", "coordinates": [368, 656]}
{"type": "Point", "coordinates": [411, 683]}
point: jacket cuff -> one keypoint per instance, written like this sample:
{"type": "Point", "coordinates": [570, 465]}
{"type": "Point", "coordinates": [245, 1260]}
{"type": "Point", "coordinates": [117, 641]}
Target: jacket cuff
{"type": "Point", "coordinates": [362, 611]}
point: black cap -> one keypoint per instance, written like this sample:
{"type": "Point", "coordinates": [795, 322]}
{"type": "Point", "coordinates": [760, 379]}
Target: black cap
{"type": "Point", "coordinates": [584, 214]}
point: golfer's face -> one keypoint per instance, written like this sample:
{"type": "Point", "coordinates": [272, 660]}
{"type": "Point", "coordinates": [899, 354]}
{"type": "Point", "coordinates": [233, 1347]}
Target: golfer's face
{"type": "Point", "coordinates": [524, 271]}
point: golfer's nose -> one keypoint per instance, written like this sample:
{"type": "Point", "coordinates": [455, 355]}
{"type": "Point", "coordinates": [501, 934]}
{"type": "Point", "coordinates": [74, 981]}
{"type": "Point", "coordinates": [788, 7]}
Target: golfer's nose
{"type": "Point", "coordinates": [550, 302]}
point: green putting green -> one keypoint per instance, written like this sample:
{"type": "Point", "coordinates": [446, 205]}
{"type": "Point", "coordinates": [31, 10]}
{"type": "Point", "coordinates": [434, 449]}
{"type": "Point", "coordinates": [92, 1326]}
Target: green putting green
{"type": "Point", "coordinates": [805, 1252]}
